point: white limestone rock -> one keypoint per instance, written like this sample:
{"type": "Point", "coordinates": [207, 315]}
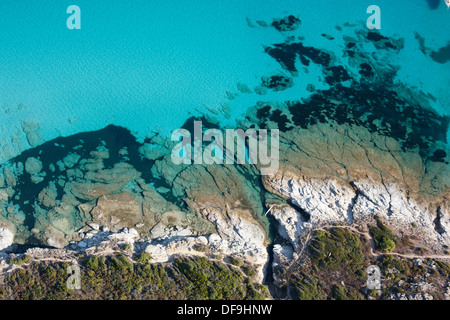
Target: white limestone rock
{"type": "Point", "coordinates": [392, 205]}
{"type": "Point", "coordinates": [326, 201]}
{"type": "Point", "coordinates": [330, 203]}
{"type": "Point", "coordinates": [291, 224]}
{"type": "Point", "coordinates": [158, 253]}
{"type": "Point", "coordinates": [282, 255]}
{"type": "Point", "coordinates": [6, 238]}
{"type": "Point", "coordinates": [126, 234]}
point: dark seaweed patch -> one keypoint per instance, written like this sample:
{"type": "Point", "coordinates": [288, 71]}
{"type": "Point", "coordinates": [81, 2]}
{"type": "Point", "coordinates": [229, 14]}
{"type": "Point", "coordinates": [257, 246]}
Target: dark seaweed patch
{"type": "Point", "coordinates": [375, 36]}
{"type": "Point", "coordinates": [277, 82]}
{"type": "Point", "coordinates": [374, 105]}
{"type": "Point", "coordinates": [377, 108]}
{"type": "Point", "coordinates": [289, 23]}
{"type": "Point", "coordinates": [366, 70]}
{"type": "Point", "coordinates": [382, 42]}
{"type": "Point", "coordinates": [442, 55]}
{"type": "Point", "coordinates": [287, 53]}
{"type": "Point", "coordinates": [438, 156]}
{"type": "Point", "coordinates": [337, 74]}
{"type": "Point", "coordinates": [281, 119]}
{"type": "Point", "coordinates": [263, 112]}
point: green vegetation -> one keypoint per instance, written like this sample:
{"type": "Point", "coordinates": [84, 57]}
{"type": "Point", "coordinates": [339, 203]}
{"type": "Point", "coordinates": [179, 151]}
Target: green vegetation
{"type": "Point", "coordinates": [443, 268]}
{"type": "Point", "coordinates": [334, 252]}
{"type": "Point", "coordinates": [116, 277]}
{"type": "Point", "coordinates": [341, 293]}
{"type": "Point", "coordinates": [236, 261]}
{"type": "Point", "coordinates": [127, 247]}
{"type": "Point", "coordinates": [23, 260]}
{"type": "Point", "coordinates": [248, 270]}
{"type": "Point", "coordinates": [201, 247]}
{"type": "Point", "coordinates": [308, 289]}
{"type": "Point", "coordinates": [383, 237]}
{"type": "Point", "coordinates": [212, 280]}
{"type": "Point", "coordinates": [402, 275]}
{"type": "Point", "coordinates": [335, 263]}
{"type": "Point", "coordinates": [144, 257]}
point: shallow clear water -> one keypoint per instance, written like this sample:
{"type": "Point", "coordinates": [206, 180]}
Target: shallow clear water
{"type": "Point", "coordinates": [148, 65]}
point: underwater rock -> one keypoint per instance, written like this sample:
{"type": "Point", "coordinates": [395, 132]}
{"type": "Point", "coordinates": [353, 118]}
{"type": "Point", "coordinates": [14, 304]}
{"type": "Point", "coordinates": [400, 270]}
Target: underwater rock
{"type": "Point", "coordinates": [288, 23]}
{"type": "Point", "coordinates": [32, 131]}
{"type": "Point", "coordinates": [71, 159]}
{"type": "Point", "coordinates": [33, 165]}
{"type": "Point", "coordinates": [117, 211]}
{"type": "Point", "coordinates": [10, 179]}
{"type": "Point", "coordinates": [102, 182]}
{"type": "Point", "coordinates": [153, 151]}
{"type": "Point", "coordinates": [47, 197]}
{"type": "Point", "coordinates": [242, 87]}
{"type": "Point", "coordinates": [277, 82]}
{"type": "Point", "coordinates": [218, 187]}
{"type": "Point", "coordinates": [4, 195]}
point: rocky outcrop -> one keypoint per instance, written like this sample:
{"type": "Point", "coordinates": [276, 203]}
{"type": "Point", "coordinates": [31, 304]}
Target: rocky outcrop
{"type": "Point", "coordinates": [225, 198]}
{"type": "Point", "coordinates": [6, 238]}
{"type": "Point", "coordinates": [291, 224]}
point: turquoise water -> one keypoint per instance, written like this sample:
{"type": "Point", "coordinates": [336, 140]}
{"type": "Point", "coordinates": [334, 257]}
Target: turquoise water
{"type": "Point", "coordinates": [130, 60]}
{"type": "Point", "coordinates": [148, 65]}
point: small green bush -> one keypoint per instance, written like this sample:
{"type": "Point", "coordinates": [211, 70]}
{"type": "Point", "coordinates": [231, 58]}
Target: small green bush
{"type": "Point", "coordinates": [23, 260]}
{"type": "Point", "coordinates": [387, 245]}
{"type": "Point", "coordinates": [236, 261]}
{"type": "Point", "coordinates": [201, 247]}
{"type": "Point", "coordinates": [307, 289]}
{"type": "Point", "coordinates": [382, 236]}
{"type": "Point", "coordinates": [248, 271]}
{"type": "Point", "coordinates": [144, 257]}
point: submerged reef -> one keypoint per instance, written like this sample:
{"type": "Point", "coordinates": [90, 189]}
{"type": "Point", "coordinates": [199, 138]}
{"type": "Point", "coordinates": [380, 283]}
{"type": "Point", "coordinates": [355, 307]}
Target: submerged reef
{"type": "Point", "coordinates": [80, 191]}
{"type": "Point", "coordinates": [442, 55]}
